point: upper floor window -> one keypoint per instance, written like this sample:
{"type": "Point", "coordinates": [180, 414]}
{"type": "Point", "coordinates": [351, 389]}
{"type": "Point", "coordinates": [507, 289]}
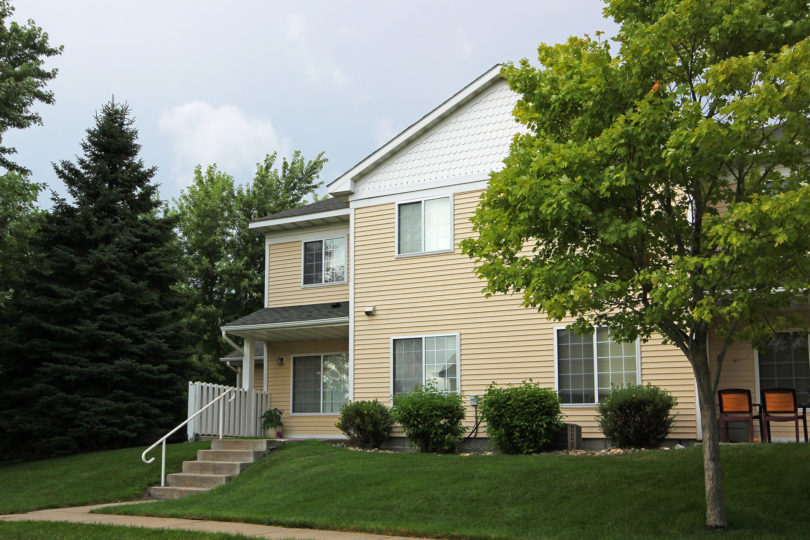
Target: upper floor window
{"type": "Point", "coordinates": [325, 261]}
{"type": "Point", "coordinates": [589, 365]}
{"type": "Point", "coordinates": [424, 226]}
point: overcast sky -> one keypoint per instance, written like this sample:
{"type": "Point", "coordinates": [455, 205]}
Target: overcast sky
{"type": "Point", "coordinates": [228, 82]}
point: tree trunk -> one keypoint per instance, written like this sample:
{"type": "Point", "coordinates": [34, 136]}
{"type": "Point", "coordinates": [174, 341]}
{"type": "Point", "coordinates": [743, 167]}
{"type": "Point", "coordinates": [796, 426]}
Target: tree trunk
{"type": "Point", "coordinates": [712, 468]}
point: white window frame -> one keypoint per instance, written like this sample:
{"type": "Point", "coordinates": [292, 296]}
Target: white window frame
{"type": "Point", "coordinates": [457, 335]}
{"type": "Point", "coordinates": [757, 386]}
{"type": "Point", "coordinates": [323, 239]}
{"type": "Point", "coordinates": [422, 200]}
{"type": "Point", "coordinates": [320, 399]}
{"type": "Point", "coordinates": [595, 368]}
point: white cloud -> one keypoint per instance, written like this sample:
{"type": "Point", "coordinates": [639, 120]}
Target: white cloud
{"type": "Point", "coordinates": [203, 134]}
{"type": "Point", "coordinates": [315, 67]}
{"type": "Point", "coordinates": [383, 131]}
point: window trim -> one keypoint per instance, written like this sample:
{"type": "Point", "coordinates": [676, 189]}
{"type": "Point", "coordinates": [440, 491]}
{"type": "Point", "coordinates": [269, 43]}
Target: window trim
{"type": "Point", "coordinates": [422, 200]}
{"type": "Point", "coordinates": [323, 239]}
{"type": "Point", "coordinates": [457, 335]}
{"type": "Point", "coordinates": [757, 386]}
{"type": "Point", "coordinates": [320, 400]}
{"type": "Point", "coordinates": [595, 370]}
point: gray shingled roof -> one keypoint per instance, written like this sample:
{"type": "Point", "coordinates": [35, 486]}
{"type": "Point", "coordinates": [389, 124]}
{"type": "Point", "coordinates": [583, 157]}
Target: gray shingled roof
{"type": "Point", "coordinates": [314, 208]}
{"type": "Point", "coordinates": [289, 314]}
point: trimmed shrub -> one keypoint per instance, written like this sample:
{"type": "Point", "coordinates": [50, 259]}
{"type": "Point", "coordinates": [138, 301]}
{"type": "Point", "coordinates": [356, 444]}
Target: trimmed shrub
{"type": "Point", "coordinates": [431, 418]}
{"type": "Point", "coordinates": [636, 416]}
{"type": "Point", "coordinates": [521, 419]}
{"type": "Point", "coordinates": [367, 424]}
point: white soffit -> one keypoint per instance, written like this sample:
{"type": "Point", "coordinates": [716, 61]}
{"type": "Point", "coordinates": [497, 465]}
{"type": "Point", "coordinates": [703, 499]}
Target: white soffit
{"type": "Point", "coordinates": [302, 221]}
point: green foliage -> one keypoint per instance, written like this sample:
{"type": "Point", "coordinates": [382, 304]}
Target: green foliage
{"type": "Point", "coordinates": [271, 419]}
{"type": "Point", "coordinates": [636, 416]}
{"type": "Point", "coordinates": [99, 317]}
{"type": "Point", "coordinates": [23, 51]}
{"type": "Point", "coordinates": [19, 220]}
{"type": "Point", "coordinates": [431, 418]}
{"type": "Point", "coordinates": [223, 262]}
{"type": "Point", "coordinates": [660, 185]}
{"type": "Point", "coordinates": [367, 423]}
{"type": "Point", "coordinates": [521, 419]}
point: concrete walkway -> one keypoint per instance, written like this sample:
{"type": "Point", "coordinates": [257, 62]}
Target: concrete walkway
{"type": "Point", "coordinates": [81, 514]}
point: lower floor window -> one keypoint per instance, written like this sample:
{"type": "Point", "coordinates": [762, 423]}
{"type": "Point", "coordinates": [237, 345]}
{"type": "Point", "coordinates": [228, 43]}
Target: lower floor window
{"type": "Point", "coordinates": [589, 365]}
{"type": "Point", "coordinates": [785, 363]}
{"type": "Point", "coordinates": [419, 360]}
{"type": "Point", "coordinates": [320, 383]}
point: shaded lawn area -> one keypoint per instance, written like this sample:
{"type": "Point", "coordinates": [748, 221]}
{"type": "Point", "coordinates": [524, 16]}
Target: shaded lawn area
{"type": "Point", "coordinates": [51, 530]}
{"type": "Point", "coordinates": [636, 495]}
{"type": "Point", "coordinates": [97, 477]}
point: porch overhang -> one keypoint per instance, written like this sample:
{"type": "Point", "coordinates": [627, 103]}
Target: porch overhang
{"type": "Point", "coordinates": [293, 323]}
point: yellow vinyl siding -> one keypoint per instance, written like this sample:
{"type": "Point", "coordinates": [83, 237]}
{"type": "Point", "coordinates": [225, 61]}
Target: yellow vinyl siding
{"type": "Point", "coordinates": [285, 279]}
{"type": "Point", "coordinates": [278, 384]}
{"type": "Point", "coordinates": [500, 340]}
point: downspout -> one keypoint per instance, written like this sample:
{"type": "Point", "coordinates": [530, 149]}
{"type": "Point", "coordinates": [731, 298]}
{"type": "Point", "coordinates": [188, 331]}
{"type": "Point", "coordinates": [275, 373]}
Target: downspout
{"type": "Point", "coordinates": [238, 373]}
{"type": "Point", "coordinates": [231, 342]}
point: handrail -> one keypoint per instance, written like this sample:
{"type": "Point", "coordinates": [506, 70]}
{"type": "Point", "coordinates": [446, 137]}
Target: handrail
{"type": "Point", "coordinates": [186, 421]}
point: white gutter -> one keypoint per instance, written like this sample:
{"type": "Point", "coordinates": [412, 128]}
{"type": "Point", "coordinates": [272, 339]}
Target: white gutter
{"type": "Point", "coordinates": [337, 321]}
{"type": "Point", "coordinates": [297, 219]}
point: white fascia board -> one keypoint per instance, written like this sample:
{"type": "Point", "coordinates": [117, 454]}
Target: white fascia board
{"type": "Point", "coordinates": [337, 321]}
{"type": "Point", "coordinates": [344, 183]}
{"type": "Point", "coordinates": [425, 190]}
{"type": "Point", "coordinates": [297, 219]}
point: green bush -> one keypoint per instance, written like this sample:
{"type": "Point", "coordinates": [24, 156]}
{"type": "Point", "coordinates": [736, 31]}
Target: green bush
{"type": "Point", "coordinates": [521, 419]}
{"type": "Point", "coordinates": [636, 416]}
{"type": "Point", "coordinates": [431, 418]}
{"type": "Point", "coordinates": [366, 423]}
{"type": "Point", "coordinates": [271, 419]}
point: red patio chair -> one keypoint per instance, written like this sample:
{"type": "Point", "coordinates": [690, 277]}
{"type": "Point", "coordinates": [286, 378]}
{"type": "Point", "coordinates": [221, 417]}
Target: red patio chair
{"type": "Point", "coordinates": [779, 405]}
{"type": "Point", "coordinates": [736, 406]}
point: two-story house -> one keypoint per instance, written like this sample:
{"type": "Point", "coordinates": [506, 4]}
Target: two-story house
{"type": "Point", "coordinates": [367, 293]}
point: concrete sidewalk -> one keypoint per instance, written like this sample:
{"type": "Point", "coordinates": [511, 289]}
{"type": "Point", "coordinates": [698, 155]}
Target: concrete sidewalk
{"type": "Point", "coordinates": [81, 514]}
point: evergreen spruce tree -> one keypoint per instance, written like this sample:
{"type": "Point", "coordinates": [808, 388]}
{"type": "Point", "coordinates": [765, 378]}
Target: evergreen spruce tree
{"type": "Point", "coordinates": [99, 359]}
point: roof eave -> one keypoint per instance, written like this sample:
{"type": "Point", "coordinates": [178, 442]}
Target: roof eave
{"type": "Point", "coordinates": [336, 321]}
{"type": "Point", "coordinates": [294, 222]}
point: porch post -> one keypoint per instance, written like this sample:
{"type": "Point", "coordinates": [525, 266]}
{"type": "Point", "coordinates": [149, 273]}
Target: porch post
{"type": "Point", "coordinates": [264, 368]}
{"type": "Point", "coordinates": [249, 355]}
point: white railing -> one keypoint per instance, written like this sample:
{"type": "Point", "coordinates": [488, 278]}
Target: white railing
{"type": "Point", "coordinates": [219, 399]}
{"type": "Point", "coordinates": [243, 414]}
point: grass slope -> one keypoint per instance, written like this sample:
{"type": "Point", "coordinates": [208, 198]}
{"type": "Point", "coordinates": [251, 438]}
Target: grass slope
{"type": "Point", "coordinates": [52, 530]}
{"type": "Point", "coordinates": [97, 477]}
{"type": "Point", "coordinates": [637, 495]}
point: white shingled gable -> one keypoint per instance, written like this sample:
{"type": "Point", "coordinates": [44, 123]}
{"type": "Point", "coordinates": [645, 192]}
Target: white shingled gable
{"type": "Point", "coordinates": [468, 144]}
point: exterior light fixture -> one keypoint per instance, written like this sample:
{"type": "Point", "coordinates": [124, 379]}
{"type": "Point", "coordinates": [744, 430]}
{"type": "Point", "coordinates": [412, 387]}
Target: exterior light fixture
{"type": "Point", "coordinates": [280, 361]}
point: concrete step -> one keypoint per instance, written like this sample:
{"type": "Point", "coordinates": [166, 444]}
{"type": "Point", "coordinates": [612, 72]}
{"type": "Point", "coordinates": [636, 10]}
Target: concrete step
{"type": "Point", "coordinates": [248, 456]}
{"type": "Point", "coordinates": [215, 467]}
{"type": "Point", "coordinates": [206, 481]}
{"type": "Point", "coordinates": [241, 444]}
{"type": "Point", "coordinates": [168, 492]}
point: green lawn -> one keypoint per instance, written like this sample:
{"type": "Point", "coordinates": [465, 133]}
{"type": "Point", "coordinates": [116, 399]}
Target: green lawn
{"type": "Point", "coordinates": [114, 475]}
{"type": "Point", "coordinates": [52, 530]}
{"type": "Point", "coordinates": [637, 495]}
